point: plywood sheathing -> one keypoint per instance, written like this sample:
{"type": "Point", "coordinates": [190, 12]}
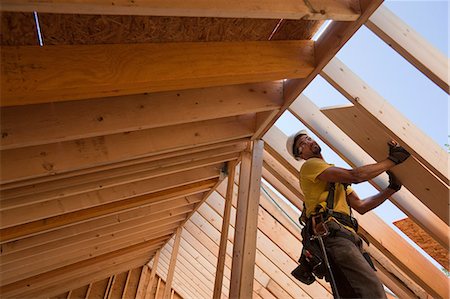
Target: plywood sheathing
{"type": "Point", "coordinates": [17, 29]}
{"type": "Point", "coordinates": [421, 238]}
{"type": "Point", "coordinates": [70, 29]}
{"type": "Point", "coordinates": [293, 29]}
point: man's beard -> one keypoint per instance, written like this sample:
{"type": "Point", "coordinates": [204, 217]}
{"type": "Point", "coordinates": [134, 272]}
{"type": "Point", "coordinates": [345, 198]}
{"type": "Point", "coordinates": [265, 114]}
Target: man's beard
{"type": "Point", "coordinates": [316, 149]}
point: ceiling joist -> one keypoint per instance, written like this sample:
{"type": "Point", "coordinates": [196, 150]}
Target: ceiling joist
{"type": "Point", "coordinates": [61, 73]}
{"type": "Point", "coordinates": [285, 9]}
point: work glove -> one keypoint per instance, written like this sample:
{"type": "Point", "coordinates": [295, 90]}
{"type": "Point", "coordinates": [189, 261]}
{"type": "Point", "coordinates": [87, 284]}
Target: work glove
{"type": "Point", "coordinates": [397, 154]}
{"type": "Point", "coordinates": [394, 183]}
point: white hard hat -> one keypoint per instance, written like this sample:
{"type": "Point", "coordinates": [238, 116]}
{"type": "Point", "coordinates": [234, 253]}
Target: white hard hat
{"type": "Point", "coordinates": [290, 143]}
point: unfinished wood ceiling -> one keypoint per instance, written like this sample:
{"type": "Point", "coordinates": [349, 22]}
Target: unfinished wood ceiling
{"type": "Point", "coordinates": [121, 130]}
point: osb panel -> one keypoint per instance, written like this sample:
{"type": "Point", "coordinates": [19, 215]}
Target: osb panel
{"type": "Point", "coordinates": [421, 238]}
{"type": "Point", "coordinates": [296, 30]}
{"type": "Point", "coordinates": [17, 29]}
{"type": "Point", "coordinates": [95, 29]}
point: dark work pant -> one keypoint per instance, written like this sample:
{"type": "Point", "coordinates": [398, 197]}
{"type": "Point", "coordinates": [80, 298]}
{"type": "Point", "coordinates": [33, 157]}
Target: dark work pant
{"type": "Point", "coordinates": [353, 274]}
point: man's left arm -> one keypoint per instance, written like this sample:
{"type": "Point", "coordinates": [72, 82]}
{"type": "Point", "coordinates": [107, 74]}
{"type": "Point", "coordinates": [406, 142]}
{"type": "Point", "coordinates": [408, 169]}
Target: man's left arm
{"type": "Point", "coordinates": [370, 203]}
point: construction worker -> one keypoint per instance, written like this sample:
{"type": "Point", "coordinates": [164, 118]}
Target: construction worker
{"type": "Point", "coordinates": [327, 206]}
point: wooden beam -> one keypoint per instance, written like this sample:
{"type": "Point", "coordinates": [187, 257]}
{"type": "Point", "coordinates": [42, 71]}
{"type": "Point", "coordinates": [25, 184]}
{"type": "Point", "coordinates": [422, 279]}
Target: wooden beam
{"type": "Point", "coordinates": [224, 236]}
{"type": "Point", "coordinates": [325, 48]}
{"type": "Point", "coordinates": [85, 229]}
{"type": "Point", "coordinates": [425, 186]}
{"type": "Point", "coordinates": [36, 211]}
{"type": "Point", "coordinates": [17, 271]}
{"type": "Point", "coordinates": [387, 118]}
{"type": "Point", "coordinates": [62, 187]}
{"type": "Point", "coordinates": [350, 152]}
{"type": "Point", "coordinates": [96, 173]}
{"type": "Point", "coordinates": [12, 233]}
{"type": "Point", "coordinates": [74, 270]}
{"type": "Point", "coordinates": [55, 122]}
{"type": "Point", "coordinates": [50, 159]}
{"type": "Point", "coordinates": [285, 9]}
{"type": "Point", "coordinates": [384, 238]}
{"type": "Point", "coordinates": [75, 72]}
{"type": "Point", "coordinates": [98, 238]}
{"type": "Point", "coordinates": [411, 45]}
{"type": "Point", "coordinates": [173, 260]}
{"type": "Point", "coordinates": [244, 249]}
{"type": "Point", "coordinates": [152, 277]}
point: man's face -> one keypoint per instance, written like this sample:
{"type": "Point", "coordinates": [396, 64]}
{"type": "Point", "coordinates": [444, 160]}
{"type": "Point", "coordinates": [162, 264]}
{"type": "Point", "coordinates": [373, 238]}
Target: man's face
{"type": "Point", "coordinates": [307, 147]}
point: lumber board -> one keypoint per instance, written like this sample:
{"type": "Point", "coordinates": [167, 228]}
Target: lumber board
{"type": "Point", "coordinates": [104, 244]}
{"type": "Point", "coordinates": [61, 73]}
{"type": "Point", "coordinates": [429, 189]}
{"type": "Point", "coordinates": [84, 201]}
{"type": "Point", "coordinates": [428, 244]}
{"type": "Point", "coordinates": [389, 119]}
{"type": "Point", "coordinates": [411, 45]}
{"type": "Point", "coordinates": [188, 280]}
{"type": "Point", "coordinates": [244, 246]}
{"type": "Point", "coordinates": [219, 274]}
{"type": "Point", "coordinates": [87, 174]}
{"type": "Point", "coordinates": [22, 274]}
{"type": "Point", "coordinates": [325, 48]}
{"type": "Point", "coordinates": [30, 125]}
{"type": "Point", "coordinates": [83, 240]}
{"type": "Point", "coordinates": [50, 159]}
{"type": "Point", "coordinates": [159, 210]}
{"type": "Point", "coordinates": [30, 228]}
{"type": "Point", "coordinates": [349, 151]}
{"type": "Point", "coordinates": [79, 183]}
{"type": "Point", "coordinates": [74, 270]}
{"type": "Point", "coordinates": [285, 9]}
{"type": "Point", "coordinates": [98, 289]}
{"type": "Point", "coordinates": [100, 186]}
{"type": "Point", "coordinates": [173, 260]}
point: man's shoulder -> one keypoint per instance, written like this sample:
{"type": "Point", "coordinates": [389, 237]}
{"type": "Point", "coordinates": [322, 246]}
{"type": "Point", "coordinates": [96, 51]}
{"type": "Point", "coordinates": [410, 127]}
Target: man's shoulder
{"type": "Point", "coordinates": [314, 165]}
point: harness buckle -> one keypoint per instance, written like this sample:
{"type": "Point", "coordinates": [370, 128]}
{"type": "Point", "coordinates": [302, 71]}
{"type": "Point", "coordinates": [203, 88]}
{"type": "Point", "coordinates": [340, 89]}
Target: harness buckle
{"type": "Point", "coordinates": [319, 227]}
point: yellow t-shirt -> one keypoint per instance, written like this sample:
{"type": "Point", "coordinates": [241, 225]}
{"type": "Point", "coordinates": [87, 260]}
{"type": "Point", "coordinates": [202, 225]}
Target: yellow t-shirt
{"type": "Point", "coordinates": [316, 190]}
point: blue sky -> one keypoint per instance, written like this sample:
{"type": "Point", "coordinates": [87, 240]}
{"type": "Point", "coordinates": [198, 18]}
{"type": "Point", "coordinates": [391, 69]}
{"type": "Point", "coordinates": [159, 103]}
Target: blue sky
{"type": "Point", "coordinates": [413, 94]}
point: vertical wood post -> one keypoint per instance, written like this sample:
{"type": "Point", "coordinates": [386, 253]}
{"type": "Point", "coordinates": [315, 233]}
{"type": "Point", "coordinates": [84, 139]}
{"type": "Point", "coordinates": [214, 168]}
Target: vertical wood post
{"type": "Point", "coordinates": [143, 281]}
{"type": "Point", "coordinates": [152, 275]}
{"type": "Point", "coordinates": [244, 249]}
{"type": "Point", "coordinates": [224, 236]}
{"type": "Point", "coordinates": [173, 261]}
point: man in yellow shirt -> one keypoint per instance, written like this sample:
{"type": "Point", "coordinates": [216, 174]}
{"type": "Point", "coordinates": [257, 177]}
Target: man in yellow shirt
{"type": "Point", "coordinates": [353, 275]}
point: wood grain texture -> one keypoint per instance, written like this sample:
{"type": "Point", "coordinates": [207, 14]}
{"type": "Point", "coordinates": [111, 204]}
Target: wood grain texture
{"type": "Point", "coordinates": [58, 73]}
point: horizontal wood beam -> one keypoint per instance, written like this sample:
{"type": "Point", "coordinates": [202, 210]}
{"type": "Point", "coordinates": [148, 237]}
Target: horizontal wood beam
{"type": "Point", "coordinates": [58, 238]}
{"type": "Point", "coordinates": [59, 73]}
{"type": "Point", "coordinates": [15, 232]}
{"type": "Point", "coordinates": [55, 122]}
{"type": "Point", "coordinates": [411, 45]}
{"type": "Point", "coordinates": [15, 272]}
{"type": "Point", "coordinates": [45, 183]}
{"type": "Point", "coordinates": [102, 185]}
{"type": "Point", "coordinates": [75, 270]}
{"type": "Point", "coordinates": [50, 159]}
{"type": "Point", "coordinates": [284, 9]}
{"type": "Point", "coordinates": [84, 201]}
{"type": "Point", "coordinates": [325, 48]}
